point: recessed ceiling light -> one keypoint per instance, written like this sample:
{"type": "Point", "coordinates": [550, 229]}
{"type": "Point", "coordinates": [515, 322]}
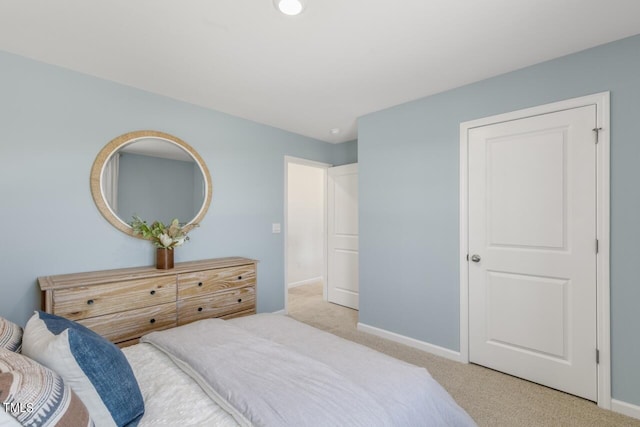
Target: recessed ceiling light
{"type": "Point", "coordinates": [289, 7]}
{"type": "Point", "coordinates": [335, 131]}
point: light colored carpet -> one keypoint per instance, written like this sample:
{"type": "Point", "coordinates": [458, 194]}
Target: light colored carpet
{"type": "Point", "coordinates": [491, 398]}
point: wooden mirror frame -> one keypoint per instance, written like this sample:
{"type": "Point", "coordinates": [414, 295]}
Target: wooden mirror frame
{"type": "Point", "coordinates": [112, 147]}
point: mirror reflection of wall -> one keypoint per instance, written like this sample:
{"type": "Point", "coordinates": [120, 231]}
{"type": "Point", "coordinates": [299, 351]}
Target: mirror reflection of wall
{"type": "Point", "coordinates": [154, 179]}
{"type": "Point", "coordinates": [157, 189]}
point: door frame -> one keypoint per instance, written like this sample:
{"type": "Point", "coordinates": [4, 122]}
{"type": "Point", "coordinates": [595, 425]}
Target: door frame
{"type": "Point", "coordinates": [320, 165]}
{"type": "Point", "coordinates": [603, 315]}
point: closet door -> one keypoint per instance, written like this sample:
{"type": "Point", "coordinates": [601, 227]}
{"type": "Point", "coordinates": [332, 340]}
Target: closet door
{"type": "Point", "coordinates": [532, 249]}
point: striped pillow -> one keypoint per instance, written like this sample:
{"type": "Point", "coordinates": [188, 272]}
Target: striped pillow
{"type": "Point", "coordinates": [10, 335]}
{"type": "Point", "coordinates": [34, 395]}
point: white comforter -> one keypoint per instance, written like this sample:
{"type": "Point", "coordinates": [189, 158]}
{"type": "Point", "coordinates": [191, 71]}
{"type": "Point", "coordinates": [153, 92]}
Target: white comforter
{"type": "Point", "coordinates": [171, 398]}
{"type": "Point", "coordinates": [270, 370]}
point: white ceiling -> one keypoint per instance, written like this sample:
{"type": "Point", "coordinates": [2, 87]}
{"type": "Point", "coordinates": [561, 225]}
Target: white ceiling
{"type": "Point", "coordinates": [308, 74]}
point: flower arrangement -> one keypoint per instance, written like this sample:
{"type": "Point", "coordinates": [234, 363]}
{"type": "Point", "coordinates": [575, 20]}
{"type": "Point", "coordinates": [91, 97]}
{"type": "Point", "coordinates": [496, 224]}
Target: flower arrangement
{"type": "Point", "coordinates": [161, 235]}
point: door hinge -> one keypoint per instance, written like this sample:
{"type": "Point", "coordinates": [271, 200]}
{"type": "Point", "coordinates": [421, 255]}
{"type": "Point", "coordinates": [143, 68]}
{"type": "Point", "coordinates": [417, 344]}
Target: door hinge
{"type": "Point", "coordinates": [597, 356]}
{"type": "Point", "coordinates": [597, 246]}
{"type": "Point", "coordinates": [597, 131]}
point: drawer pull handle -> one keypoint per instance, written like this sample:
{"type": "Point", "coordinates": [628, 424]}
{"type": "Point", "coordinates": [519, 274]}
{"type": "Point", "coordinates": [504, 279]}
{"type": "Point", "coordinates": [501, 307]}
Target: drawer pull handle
{"type": "Point", "coordinates": [199, 283]}
{"type": "Point", "coordinates": [239, 277]}
{"type": "Point", "coordinates": [90, 302]}
{"type": "Point", "coordinates": [152, 321]}
{"type": "Point", "coordinates": [239, 299]}
{"type": "Point", "coordinates": [199, 308]}
{"type": "Point", "coordinates": [152, 292]}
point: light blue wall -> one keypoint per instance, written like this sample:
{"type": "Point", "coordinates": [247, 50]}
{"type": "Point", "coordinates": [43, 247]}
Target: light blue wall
{"type": "Point", "coordinates": [409, 177]}
{"type": "Point", "coordinates": [53, 123]}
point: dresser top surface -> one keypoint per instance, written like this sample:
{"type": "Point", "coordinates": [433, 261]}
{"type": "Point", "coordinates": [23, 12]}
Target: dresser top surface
{"type": "Point", "coordinates": [62, 281]}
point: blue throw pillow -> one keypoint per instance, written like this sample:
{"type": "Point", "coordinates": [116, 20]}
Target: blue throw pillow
{"type": "Point", "coordinates": [96, 369]}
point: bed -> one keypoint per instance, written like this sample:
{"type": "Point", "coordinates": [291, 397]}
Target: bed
{"type": "Point", "coordinates": [259, 370]}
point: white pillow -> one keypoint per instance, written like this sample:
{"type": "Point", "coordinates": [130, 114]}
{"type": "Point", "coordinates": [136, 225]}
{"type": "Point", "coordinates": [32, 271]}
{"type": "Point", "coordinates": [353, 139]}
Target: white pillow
{"type": "Point", "coordinates": [95, 368]}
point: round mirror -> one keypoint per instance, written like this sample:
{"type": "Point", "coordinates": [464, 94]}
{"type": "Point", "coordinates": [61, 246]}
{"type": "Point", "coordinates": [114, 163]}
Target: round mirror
{"type": "Point", "coordinates": [153, 175]}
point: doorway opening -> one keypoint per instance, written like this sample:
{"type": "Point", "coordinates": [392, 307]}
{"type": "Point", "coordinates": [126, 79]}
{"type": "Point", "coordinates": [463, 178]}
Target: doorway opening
{"type": "Point", "coordinates": [305, 230]}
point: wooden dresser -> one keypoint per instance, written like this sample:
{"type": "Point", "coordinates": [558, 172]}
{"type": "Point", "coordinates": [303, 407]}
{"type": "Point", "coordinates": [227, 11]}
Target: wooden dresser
{"type": "Point", "coordinates": [124, 304]}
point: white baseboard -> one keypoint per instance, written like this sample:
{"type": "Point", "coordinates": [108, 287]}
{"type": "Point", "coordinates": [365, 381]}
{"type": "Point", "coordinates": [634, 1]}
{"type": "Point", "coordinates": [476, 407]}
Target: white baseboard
{"type": "Point", "coordinates": [411, 342]}
{"type": "Point", "coordinates": [625, 408]}
{"type": "Point", "coordinates": [280, 312]}
{"type": "Point", "coordinates": [305, 282]}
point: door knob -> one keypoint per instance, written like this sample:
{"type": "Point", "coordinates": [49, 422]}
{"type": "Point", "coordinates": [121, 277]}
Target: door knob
{"type": "Point", "coordinates": [475, 258]}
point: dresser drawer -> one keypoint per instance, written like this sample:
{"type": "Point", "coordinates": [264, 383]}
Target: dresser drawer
{"type": "Point", "coordinates": [89, 301]}
{"type": "Point", "coordinates": [220, 279]}
{"type": "Point", "coordinates": [133, 324]}
{"type": "Point", "coordinates": [221, 304]}
{"type": "Point", "coordinates": [124, 304]}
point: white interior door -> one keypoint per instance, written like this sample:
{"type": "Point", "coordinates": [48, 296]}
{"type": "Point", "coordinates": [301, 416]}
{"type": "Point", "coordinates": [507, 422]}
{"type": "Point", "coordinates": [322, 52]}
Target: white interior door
{"type": "Point", "coordinates": [532, 248]}
{"type": "Point", "coordinates": [342, 224]}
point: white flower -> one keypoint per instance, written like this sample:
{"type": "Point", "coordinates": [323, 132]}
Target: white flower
{"type": "Point", "coordinates": [161, 235]}
{"type": "Point", "coordinates": [165, 240]}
